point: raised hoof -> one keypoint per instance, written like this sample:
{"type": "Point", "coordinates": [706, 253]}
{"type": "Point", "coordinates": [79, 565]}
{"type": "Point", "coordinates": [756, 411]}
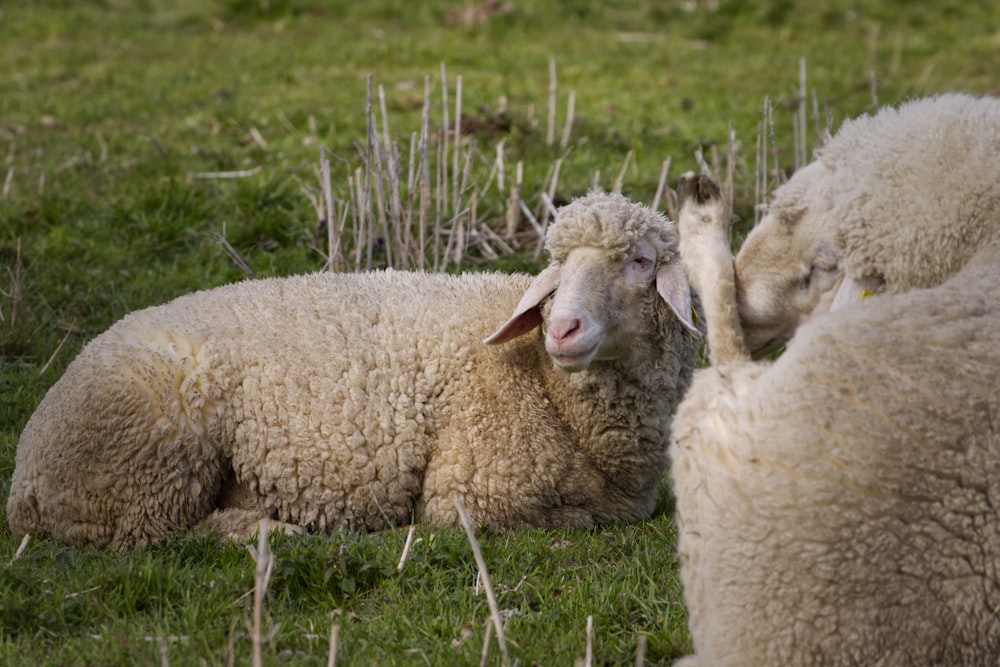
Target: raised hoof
{"type": "Point", "coordinates": [699, 188]}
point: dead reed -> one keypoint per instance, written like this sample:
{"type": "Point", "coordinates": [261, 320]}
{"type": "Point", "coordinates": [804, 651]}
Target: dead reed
{"type": "Point", "coordinates": [443, 202]}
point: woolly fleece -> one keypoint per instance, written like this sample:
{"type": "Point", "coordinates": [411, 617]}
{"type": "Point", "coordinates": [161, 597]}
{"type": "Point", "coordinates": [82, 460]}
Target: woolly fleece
{"type": "Point", "coordinates": [928, 167]}
{"type": "Point", "coordinates": [896, 200]}
{"type": "Point", "coordinates": [839, 506]}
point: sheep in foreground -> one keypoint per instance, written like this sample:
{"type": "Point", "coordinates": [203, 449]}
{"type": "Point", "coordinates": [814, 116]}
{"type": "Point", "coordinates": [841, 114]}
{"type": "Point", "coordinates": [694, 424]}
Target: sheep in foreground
{"type": "Point", "coordinates": [838, 506]}
{"type": "Point", "coordinates": [364, 399]}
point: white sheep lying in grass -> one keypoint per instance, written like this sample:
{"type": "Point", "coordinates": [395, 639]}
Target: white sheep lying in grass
{"type": "Point", "coordinates": [839, 505]}
{"type": "Point", "coordinates": [370, 399]}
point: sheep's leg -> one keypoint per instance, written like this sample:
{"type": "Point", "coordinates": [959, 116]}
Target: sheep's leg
{"type": "Point", "coordinates": [708, 263]}
{"type": "Point", "coordinates": [241, 525]}
{"type": "Point", "coordinates": [240, 513]}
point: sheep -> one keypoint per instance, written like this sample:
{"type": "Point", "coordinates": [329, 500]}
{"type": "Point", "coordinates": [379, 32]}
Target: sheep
{"type": "Point", "coordinates": [361, 400]}
{"type": "Point", "coordinates": [837, 506]}
{"type": "Point", "coordinates": [832, 235]}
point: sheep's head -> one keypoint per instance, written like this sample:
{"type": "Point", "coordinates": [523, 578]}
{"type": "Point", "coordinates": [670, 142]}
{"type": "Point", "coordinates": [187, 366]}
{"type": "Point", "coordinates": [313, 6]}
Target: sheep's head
{"type": "Point", "coordinates": [789, 269]}
{"type": "Point", "coordinates": [613, 261]}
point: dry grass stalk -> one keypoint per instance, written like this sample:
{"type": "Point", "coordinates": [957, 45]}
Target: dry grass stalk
{"type": "Point", "coordinates": [406, 547]}
{"type": "Point", "coordinates": [588, 659]}
{"type": "Point", "coordinates": [354, 185]}
{"type": "Point", "coordinates": [640, 650]}
{"type": "Point", "coordinates": [487, 635]}
{"type": "Point", "coordinates": [802, 124]}
{"type": "Point", "coordinates": [445, 124]}
{"type": "Point", "coordinates": [489, 236]}
{"type": "Point", "coordinates": [334, 258]}
{"type": "Point", "coordinates": [455, 249]}
{"type": "Point", "coordinates": [514, 202]}
{"type": "Point", "coordinates": [760, 174]}
{"type": "Point", "coordinates": [21, 549]}
{"type": "Point", "coordinates": [457, 189]}
{"type": "Point", "coordinates": [371, 155]}
{"type": "Point", "coordinates": [15, 287]}
{"type": "Point", "coordinates": [69, 330]}
{"type": "Point", "coordinates": [440, 201]}
{"type": "Point", "coordinates": [258, 138]}
{"type": "Point", "coordinates": [386, 136]}
{"type": "Point", "coordinates": [231, 644]}
{"type": "Point", "coordinates": [8, 183]}
{"type": "Point", "coordinates": [779, 176]}
{"type": "Point", "coordinates": [398, 238]}
{"type": "Point", "coordinates": [568, 128]}
{"type": "Point", "coordinates": [331, 660]}
{"type": "Point", "coordinates": [500, 167]}
{"type": "Point", "coordinates": [103, 157]}
{"type": "Point", "coordinates": [264, 566]}
{"type": "Point", "coordinates": [406, 226]}
{"type": "Point", "coordinates": [620, 179]}
{"type": "Point", "coordinates": [223, 175]}
{"type": "Point", "coordinates": [162, 649]}
{"type": "Point", "coordinates": [699, 157]}
{"type": "Point", "coordinates": [729, 186]}
{"type": "Point", "coordinates": [533, 221]}
{"type": "Point", "coordinates": [824, 127]}
{"type": "Point", "coordinates": [238, 260]}
{"type": "Point", "coordinates": [424, 174]}
{"type": "Point", "coordinates": [550, 132]}
{"type": "Point", "coordinates": [662, 185]}
{"type": "Point", "coordinates": [484, 575]}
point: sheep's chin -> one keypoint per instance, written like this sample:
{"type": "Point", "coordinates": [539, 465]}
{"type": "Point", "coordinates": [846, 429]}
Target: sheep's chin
{"type": "Point", "coordinates": [573, 363]}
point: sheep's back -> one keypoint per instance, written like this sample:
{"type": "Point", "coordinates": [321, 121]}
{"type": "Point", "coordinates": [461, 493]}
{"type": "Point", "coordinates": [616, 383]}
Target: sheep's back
{"type": "Point", "coordinates": [915, 191]}
{"type": "Point", "coordinates": [343, 383]}
{"type": "Point", "coordinates": [321, 391]}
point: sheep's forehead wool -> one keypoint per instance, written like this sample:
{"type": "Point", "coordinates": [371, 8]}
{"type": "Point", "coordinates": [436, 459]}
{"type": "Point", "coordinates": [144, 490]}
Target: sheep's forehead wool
{"type": "Point", "coordinates": [609, 221]}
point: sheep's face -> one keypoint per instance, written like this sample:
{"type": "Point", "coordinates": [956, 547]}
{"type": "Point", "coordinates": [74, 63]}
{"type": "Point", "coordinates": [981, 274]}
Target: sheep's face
{"type": "Point", "coordinates": [614, 263]}
{"type": "Point", "coordinates": [789, 268]}
{"type": "Point", "coordinates": [598, 308]}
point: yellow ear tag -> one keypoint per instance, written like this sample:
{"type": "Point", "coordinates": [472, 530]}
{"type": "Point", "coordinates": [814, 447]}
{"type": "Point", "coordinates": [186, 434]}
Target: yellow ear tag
{"type": "Point", "coordinates": [867, 294]}
{"type": "Point", "coordinates": [694, 316]}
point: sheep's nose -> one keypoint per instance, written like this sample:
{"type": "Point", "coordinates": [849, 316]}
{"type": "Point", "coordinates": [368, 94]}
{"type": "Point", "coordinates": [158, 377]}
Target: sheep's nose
{"type": "Point", "coordinates": [564, 329]}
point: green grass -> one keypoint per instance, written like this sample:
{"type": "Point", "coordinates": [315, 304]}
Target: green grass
{"type": "Point", "coordinates": [109, 110]}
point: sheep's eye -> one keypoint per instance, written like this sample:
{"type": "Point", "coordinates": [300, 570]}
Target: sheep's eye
{"type": "Point", "coordinates": [642, 262]}
{"type": "Point", "coordinates": [806, 280]}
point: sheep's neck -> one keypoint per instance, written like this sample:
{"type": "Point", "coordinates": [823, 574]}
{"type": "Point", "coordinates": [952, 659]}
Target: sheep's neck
{"type": "Point", "coordinates": [619, 421]}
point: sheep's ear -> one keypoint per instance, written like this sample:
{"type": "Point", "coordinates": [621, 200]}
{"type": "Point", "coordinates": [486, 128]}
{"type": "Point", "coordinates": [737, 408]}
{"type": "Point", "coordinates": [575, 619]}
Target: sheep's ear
{"type": "Point", "coordinates": [528, 315]}
{"type": "Point", "coordinates": [673, 288]}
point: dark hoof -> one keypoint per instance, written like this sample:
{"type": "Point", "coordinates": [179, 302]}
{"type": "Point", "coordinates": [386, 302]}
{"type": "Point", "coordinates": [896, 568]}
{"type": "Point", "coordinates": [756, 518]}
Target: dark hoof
{"type": "Point", "coordinates": [701, 188]}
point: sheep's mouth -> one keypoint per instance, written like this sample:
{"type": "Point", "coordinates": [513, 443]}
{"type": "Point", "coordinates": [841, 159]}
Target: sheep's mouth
{"type": "Point", "coordinates": [571, 362]}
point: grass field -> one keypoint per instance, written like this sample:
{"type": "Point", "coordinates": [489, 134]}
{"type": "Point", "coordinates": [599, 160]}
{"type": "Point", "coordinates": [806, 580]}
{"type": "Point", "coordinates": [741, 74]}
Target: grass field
{"type": "Point", "coordinates": [144, 143]}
